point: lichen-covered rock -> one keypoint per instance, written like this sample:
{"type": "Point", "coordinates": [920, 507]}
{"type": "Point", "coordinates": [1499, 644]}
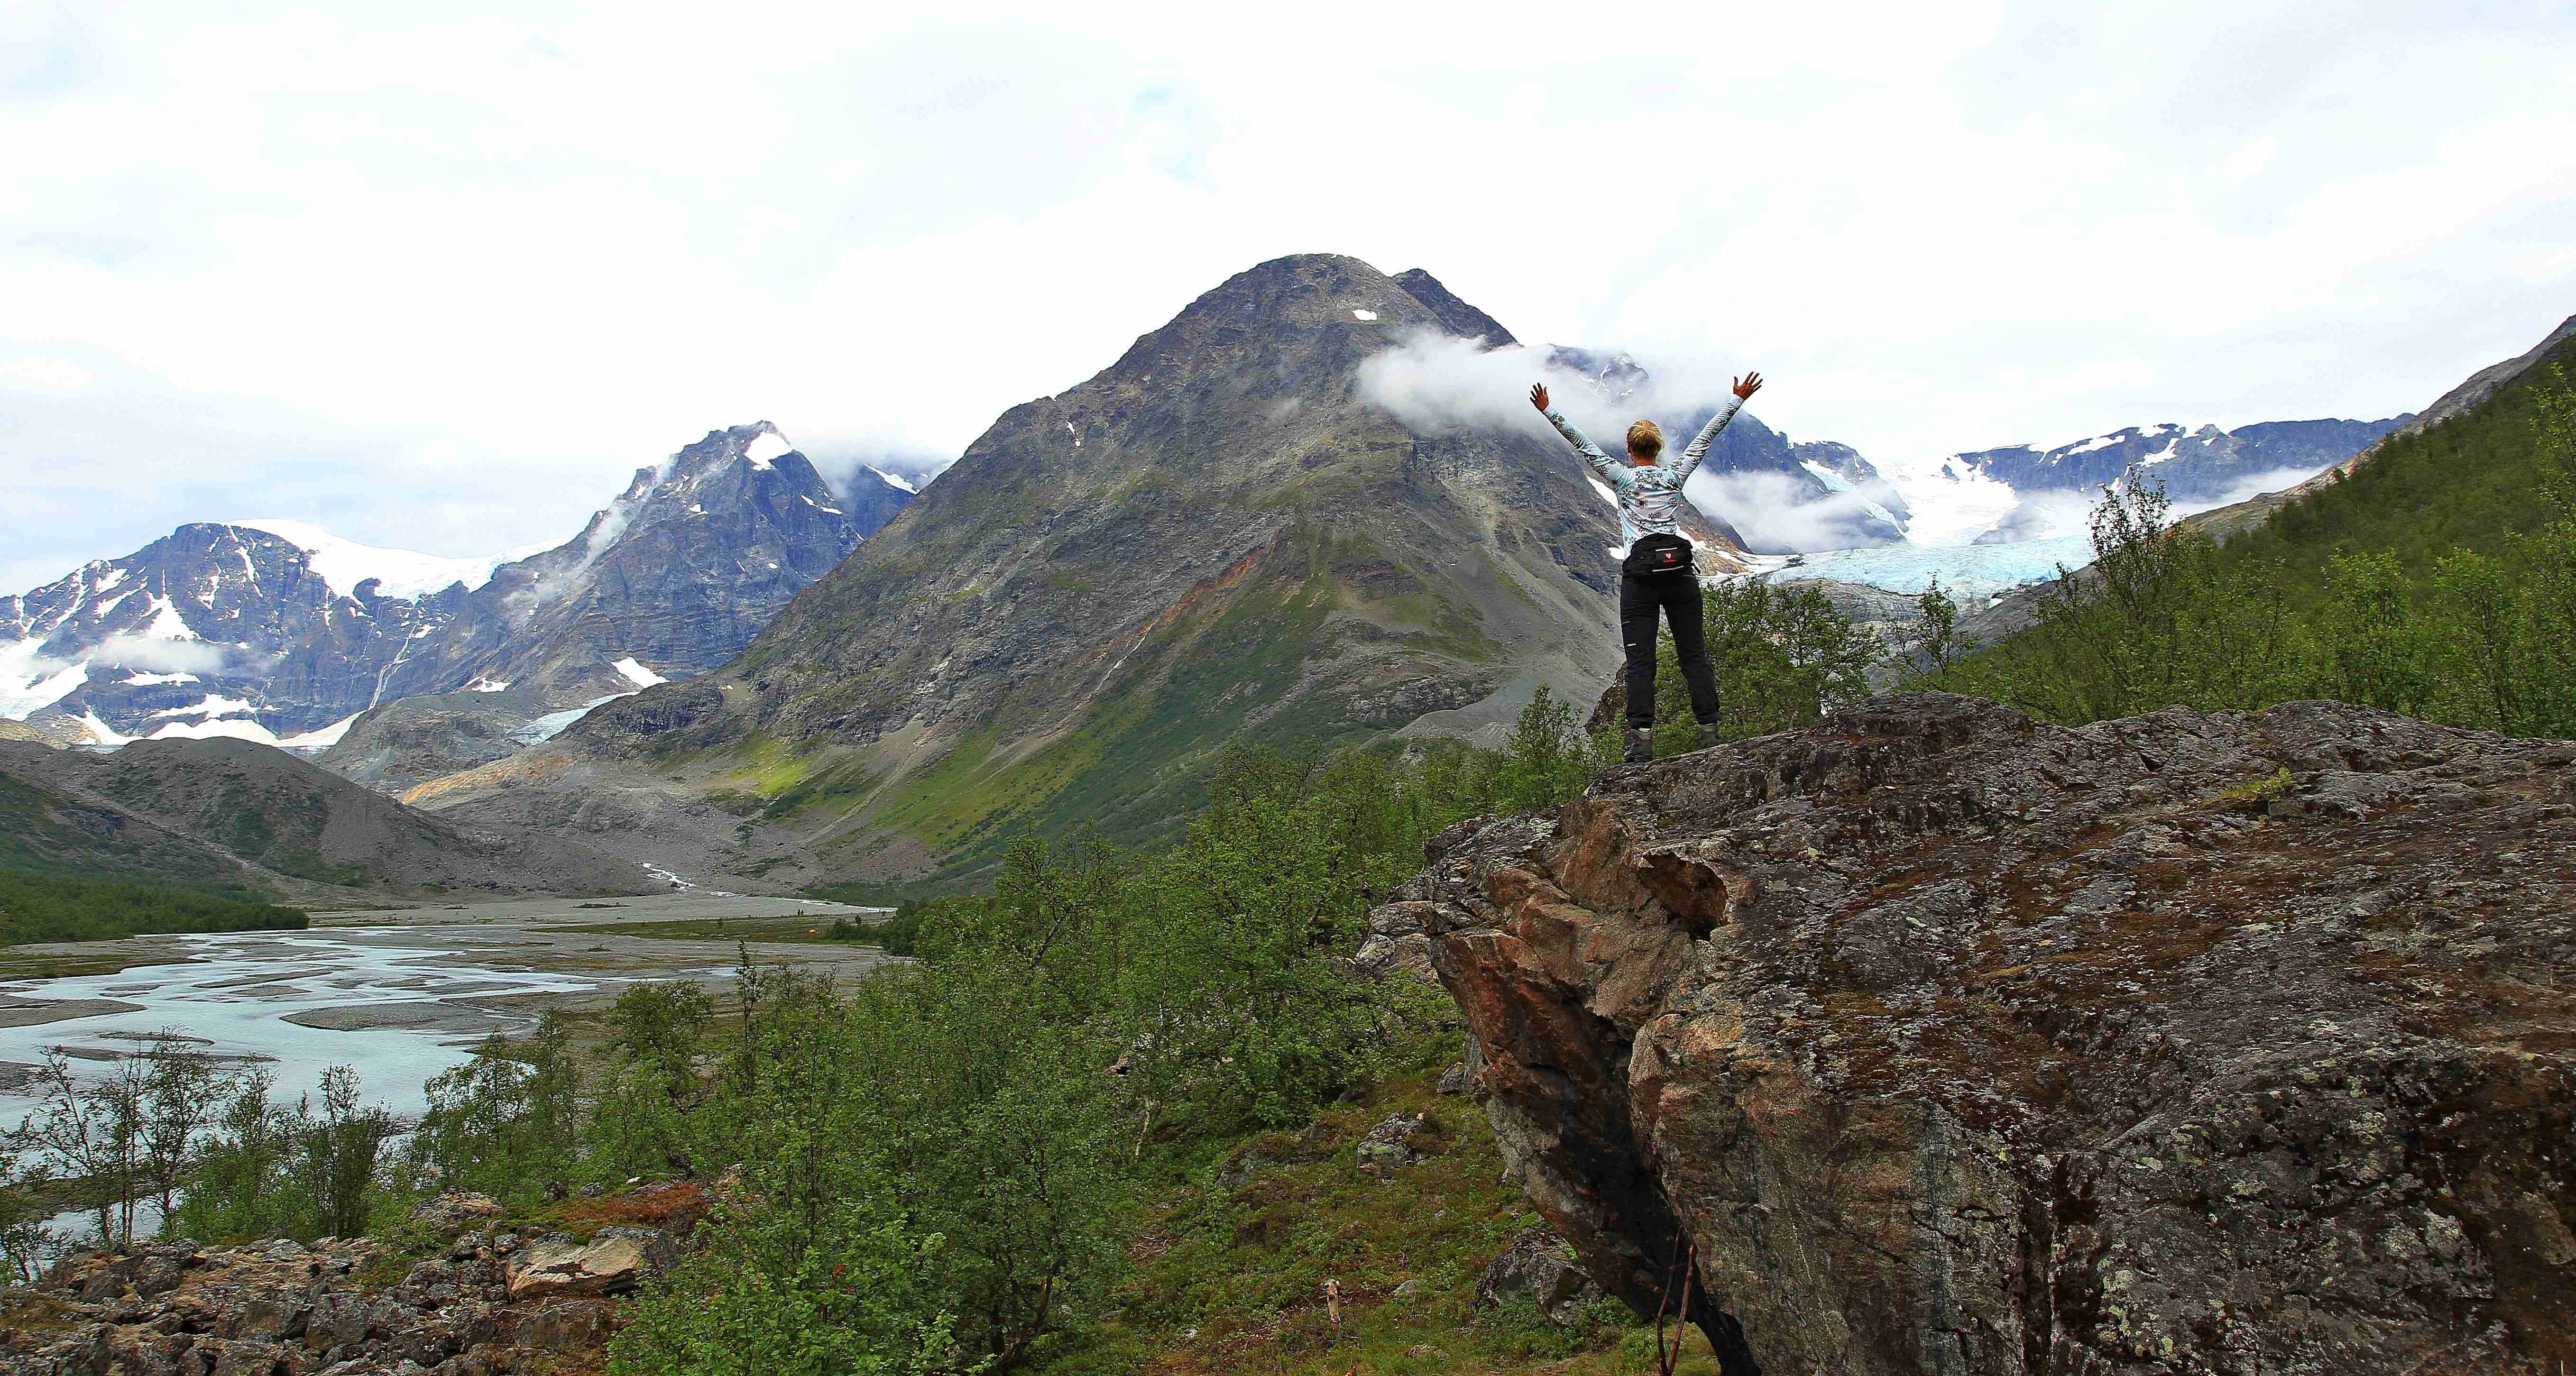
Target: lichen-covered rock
{"type": "Point", "coordinates": [1388, 1147]}
{"type": "Point", "coordinates": [455, 1211]}
{"type": "Point", "coordinates": [613, 1262]}
{"type": "Point", "coordinates": [1540, 1268]}
{"type": "Point", "coordinates": [1945, 1041]}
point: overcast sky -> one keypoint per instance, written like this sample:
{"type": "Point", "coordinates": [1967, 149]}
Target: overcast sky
{"type": "Point", "coordinates": [442, 281]}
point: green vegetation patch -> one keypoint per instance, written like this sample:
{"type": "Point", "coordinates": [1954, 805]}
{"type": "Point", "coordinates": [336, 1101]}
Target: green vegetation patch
{"type": "Point", "coordinates": [2438, 580]}
{"type": "Point", "coordinates": [39, 907]}
{"type": "Point", "coordinates": [783, 927]}
{"type": "Point", "coordinates": [1230, 1263]}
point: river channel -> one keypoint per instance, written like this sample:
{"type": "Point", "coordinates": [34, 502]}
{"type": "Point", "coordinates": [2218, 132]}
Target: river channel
{"type": "Point", "coordinates": [397, 995]}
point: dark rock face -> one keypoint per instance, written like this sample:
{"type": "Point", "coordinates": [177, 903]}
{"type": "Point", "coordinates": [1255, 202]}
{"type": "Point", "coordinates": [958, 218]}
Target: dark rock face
{"type": "Point", "coordinates": [1454, 315]}
{"type": "Point", "coordinates": [410, 741]}
{"type": "Point", "coordinates": [233, 623]}
{"type": "Point", "coordinates": [1953, 1042]}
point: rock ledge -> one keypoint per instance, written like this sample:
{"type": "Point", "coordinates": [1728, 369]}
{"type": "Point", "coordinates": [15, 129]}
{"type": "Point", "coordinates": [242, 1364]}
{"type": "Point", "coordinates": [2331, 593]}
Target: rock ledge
{"type": "Point", "coordinates": [1952, 1042]}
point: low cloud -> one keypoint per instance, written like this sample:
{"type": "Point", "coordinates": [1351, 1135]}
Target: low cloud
{"type": "Point", "coordinates": [2256, 484]}
{"type": "Point", "coordinates": [844, 457]}
{"type": "Point", "coordinates": [1436, 382]}
{"type": "Point", "coordinates": [1775, 516]}
{"type": "Point", "coordinates": [154, 654]}
{"type": "Point", "coordinates": [916, 469]}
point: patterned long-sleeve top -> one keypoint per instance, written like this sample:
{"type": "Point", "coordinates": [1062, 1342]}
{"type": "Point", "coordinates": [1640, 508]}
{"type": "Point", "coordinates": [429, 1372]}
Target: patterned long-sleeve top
{"type": "Point", "coordinates": [1647, 495]}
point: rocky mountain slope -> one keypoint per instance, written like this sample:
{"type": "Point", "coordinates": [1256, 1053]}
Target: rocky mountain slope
{"type": "Point", "coordinates": [1932, 1039]}
{"type": "Point", "coordinates": [1216, 540]}
{"type": "Point", "coordinates": [235, 815]}
{"type": "Point", "coordinates": [279, 632]}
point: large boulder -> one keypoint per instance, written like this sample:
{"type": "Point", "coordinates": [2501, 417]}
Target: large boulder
{"type": "Point", "coordinates": [1538, 1268]}
{"type": "Point", "coordinates": [1939, 1040]}
{"type": "Point", "coordinates": [614, 1261]}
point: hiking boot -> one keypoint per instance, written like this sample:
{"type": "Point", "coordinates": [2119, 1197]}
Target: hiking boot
{"type": "Point", "coordinates": [1641, 747]}
{"type": "Point", "coordinates": [1707, 735]}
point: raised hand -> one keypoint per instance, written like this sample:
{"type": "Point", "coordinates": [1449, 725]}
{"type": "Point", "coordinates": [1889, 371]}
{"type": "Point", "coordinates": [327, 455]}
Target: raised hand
{"type": "Point", "coordinates": [1538, 395]}
{"type": "Point", "coordinates": [1747, 385]}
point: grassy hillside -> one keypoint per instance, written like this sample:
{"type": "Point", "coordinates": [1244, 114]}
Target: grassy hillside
{"type": "Point", "coordinates": [237, 818]}
{"type": "Point", "coordinates": [45, 830]}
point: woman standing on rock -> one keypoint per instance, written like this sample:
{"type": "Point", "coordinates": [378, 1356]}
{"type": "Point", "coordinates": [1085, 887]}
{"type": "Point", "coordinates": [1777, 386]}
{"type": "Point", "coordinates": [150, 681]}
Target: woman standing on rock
{"type": "Point", "coordinates": [1655, 567]}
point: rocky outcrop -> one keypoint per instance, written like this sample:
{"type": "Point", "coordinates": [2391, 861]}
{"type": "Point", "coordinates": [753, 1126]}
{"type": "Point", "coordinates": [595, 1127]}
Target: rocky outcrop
{"type": "Point", "coordinates": [1395, 1143]}
{"type": "Point", "coordinates": [1538, 1269]}
{"type": "Point", "coordinates": [494, 1299]}
{"type": "Point", "coordinates": [1938, 1040]}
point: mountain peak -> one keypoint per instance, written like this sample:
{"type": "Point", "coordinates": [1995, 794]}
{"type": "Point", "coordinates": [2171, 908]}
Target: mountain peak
{"type": "Point", "coordinates": [1455, 316]}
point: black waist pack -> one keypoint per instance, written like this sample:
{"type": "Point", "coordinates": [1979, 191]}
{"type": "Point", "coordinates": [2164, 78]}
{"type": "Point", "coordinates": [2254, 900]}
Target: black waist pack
{"type": "Point", "coordinates": [1655, 556]}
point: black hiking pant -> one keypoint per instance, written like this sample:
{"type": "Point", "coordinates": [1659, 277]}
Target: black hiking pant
{"type": "Point", "coordinates": [1678, 597]}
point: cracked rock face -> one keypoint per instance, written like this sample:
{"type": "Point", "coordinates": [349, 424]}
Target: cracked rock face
{"type": "Point", "coordinates": [1936, 1040]}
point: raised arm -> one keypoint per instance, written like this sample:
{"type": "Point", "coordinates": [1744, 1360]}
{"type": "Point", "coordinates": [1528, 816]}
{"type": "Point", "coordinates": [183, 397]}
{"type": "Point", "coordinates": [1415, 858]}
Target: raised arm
{"type": "Point", "coordinates": [1610, 472]}
{"type": "Point", "coordinates": [1697, 450]}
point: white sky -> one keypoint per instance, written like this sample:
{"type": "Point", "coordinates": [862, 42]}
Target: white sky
{"type": "Point", "coordinates": [442, 280]}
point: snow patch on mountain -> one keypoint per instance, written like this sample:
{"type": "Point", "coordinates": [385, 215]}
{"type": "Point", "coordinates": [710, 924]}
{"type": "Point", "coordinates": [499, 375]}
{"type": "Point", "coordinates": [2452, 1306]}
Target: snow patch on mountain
{"type": "Point", "coordinates": [554, 724]}
{"type": "Point", "coordinates": [891, 479]}
{"type": "Point", "coordinates": [400, 573]}
{"type": "Point", "coordinates": [766, 448]}
{"type": "Point", "coordinates": [211, 705]}
{"type": "Point", "coordinates": [100, 733]}
{"type": "Point", "coordinates": [236, 728]}
{"type": "Point", "coordinates": [30, 683]}
{"type": "Point", "coordinates": [321, 738]}
{"type": "Point", "coordinates": [167, 624]}
{"type": "Point", "coordinates": [637, 674]}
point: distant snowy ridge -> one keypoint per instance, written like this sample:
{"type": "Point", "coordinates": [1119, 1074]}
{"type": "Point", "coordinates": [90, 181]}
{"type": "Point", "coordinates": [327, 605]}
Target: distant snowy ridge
{"type": "Point", "coordinates": [402, 573]}
{"type": "Point", "coordinates": [1988, 521]}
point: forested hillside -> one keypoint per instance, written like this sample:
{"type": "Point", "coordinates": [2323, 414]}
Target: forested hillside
{"type": "Point", "coordinates": [2438, 579]}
